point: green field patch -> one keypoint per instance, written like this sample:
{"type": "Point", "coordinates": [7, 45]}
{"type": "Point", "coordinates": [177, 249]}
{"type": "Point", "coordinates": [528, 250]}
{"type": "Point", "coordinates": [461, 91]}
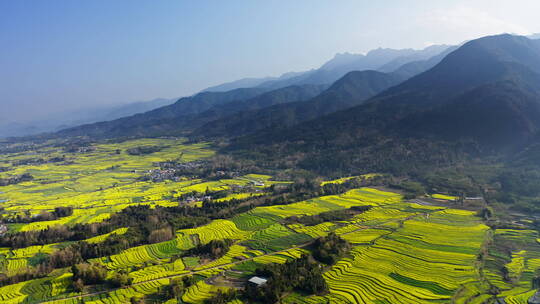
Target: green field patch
{"type": "Point", "coordinates": [364, 236]}
{"type": "Point", "coordinates": [435, 288]}
{"type": "Point", "coordinates": [275, 238]}
{"type": "Point", "coordinates": [37, 259]}
{"type": "Point", "coordinates": [439, 247]}
{"type": "Point", "coordinates": [191, 262]}
{"type": "Point", "coordinates": [250, 222]}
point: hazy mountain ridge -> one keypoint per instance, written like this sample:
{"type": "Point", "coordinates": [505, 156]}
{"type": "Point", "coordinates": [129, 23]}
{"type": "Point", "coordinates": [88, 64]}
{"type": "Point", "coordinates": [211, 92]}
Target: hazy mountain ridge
{"type": "Point", "coordinates": [190, 112]}
{"type": "Point", "coordinates": [76, 118]}
{"type": "Point", "coordinates": [420, 55]}
{"type": "Point", "coordinates": [384, 60]}
{"type": "Point", "coordinates": [173, 118]}
{"type": "Point", "coordinates": [451, 73]}
{"type": "Point", "coordinates": [248, 82]}
{"type": "Point", "coordinates": [381, 59]}
{"type": "Point", "coordinates": [486, 92]}
{"type": "Point", "coordinates": [153, 122]}
{"type": "Point", "coordinates": [276, 97]}
{"type": "Point", "coordinates": [413, 68]}
{"type": "Point", "coordinates": [351, 90]}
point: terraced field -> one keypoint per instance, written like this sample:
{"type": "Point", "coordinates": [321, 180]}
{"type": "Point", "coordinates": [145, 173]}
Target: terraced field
{"type": "Point", "coordinates": [388, 261]}
{"type": "Point", "coordinates": [96, 183]}
{"type": "Point", "coordinates": [427, 241]}
{"type": "Point", "coordinates": [104, 181]}
{"type": "Point", "coordinates": [445, 197]}
{"type": "Point", "coordinates": [345, 179]}
{"type": "Point", "coordinates": [521, 265]}
{"type": "Point", "coordinates": [426, 259]}
{"type": "Point", "coordinates": [403, 252]}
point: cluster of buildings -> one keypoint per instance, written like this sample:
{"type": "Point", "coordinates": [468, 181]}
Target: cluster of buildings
{"type": "Point", "coordinates": [159, 175]}
{"type": "Point", "coordinates": [177, 165]}
{"type": "Point", "coordinates": [193, 199]}
{"type": "Point", "coordinates": [170, 170]}
{"type": "Point", "coordinates": [227, 174]}
{"type": "Point", "coordinates": [80, 149]}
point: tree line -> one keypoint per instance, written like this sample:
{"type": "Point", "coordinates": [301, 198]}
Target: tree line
{"type": "Point", "coordinates": [57, 213]}
{"type": "Point", "coordinates": [328, 216]}
{"type": "Point", "coordinates": [150, 225]}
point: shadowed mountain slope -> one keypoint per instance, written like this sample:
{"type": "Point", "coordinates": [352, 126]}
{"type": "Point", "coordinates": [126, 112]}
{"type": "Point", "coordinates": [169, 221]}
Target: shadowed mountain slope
{"type": "Point", "coordinates": [485, 93]}
{"type": "Point", "coordinates": [353, 89]}
{"type": "Point", "coordinates": [190, 112]}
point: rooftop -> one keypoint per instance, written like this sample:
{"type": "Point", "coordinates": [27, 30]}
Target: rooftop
{"type": "Point", "coordinates": [258, 280]}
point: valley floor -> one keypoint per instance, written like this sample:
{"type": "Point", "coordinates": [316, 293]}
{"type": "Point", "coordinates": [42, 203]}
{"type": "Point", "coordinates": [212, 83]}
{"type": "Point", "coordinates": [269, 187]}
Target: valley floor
{"type": "Point", "coordinates": [402, 251]}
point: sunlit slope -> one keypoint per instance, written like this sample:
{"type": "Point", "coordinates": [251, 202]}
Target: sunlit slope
{"type": "Point", "coordinates": [403, 252]}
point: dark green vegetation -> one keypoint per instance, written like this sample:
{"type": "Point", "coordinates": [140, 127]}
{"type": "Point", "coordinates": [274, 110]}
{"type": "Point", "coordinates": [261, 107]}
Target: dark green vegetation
{"type": "Point", "coordinates": [57, 213]}
{"type": "Point", "coordinates": [87, 274]}
{"type": "Point", "coordinates": [154, 225]}
{"type": "Point", "coordinates": [425, 284]}
{"type": "Point", "coordinates": [222, 297]}
{"type": "Point", "coordinates": [175, 289]}
{"type": "Point", "coordinates": [212, 250]}
{"type": "Point", "coordinates": [144, 150]}
{"type": "Point", "coordinates": [92, 274]}
{"type": "Point", "coordinates": [353, 89]}
{"type": "Point", "coordinates": [474, 116]}
{"type": "Point", "coordinates": [16, 179]}
{"type": "Point", "coordinates": [487, 84]}
{"type": "Point", "coordinates": [189, 112]}
{"type": "Point", "coordinates": [329, 216]}
{"type": "Point", "coordinates": [469, 127]}
{"type": "Point", "coordinates": [329, 249]}
{"type": "Point", "coordinates": [301, 274]}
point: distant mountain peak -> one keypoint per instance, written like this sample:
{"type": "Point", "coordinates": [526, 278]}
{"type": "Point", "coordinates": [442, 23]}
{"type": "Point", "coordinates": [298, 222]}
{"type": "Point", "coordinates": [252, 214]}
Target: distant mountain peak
{"type": "Point", "coordinates": [534, 36]}
{"type": "Point", "coordinates": [481, 100]}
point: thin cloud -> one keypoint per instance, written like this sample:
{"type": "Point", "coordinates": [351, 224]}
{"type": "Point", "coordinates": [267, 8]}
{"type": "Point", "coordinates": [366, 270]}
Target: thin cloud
{"type": "Point", "coordinates": [470, 22]}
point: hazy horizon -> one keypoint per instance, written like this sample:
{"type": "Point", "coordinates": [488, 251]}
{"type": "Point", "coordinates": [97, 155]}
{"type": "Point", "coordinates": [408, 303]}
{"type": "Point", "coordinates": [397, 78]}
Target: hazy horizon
{"type": "Point", "coordinates": [68, 55]}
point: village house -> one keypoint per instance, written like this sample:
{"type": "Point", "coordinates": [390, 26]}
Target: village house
{"type": "Point", "coordinates": [257, 281]}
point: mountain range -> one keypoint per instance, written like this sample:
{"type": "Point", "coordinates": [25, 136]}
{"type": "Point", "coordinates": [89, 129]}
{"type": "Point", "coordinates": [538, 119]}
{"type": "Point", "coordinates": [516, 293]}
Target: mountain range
{"type": "Point", "coordinates": [341, 64]}
{"type": "Point", "coordinates": [483, 97]}
{"type": "Point", "coordinates": [246, 103]}
{"type": "Point", "coordinates": [478, 99]}
{"type": "Point", "coordinates": [352, 89]}
{"type": "Point", "coordinates": [383, 60]}
{"type": "Point", "coordinates": [67, 119]}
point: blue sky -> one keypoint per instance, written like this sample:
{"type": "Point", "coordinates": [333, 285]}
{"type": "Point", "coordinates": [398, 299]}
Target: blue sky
{"type": "Point", "coordinates": [67, 54]}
